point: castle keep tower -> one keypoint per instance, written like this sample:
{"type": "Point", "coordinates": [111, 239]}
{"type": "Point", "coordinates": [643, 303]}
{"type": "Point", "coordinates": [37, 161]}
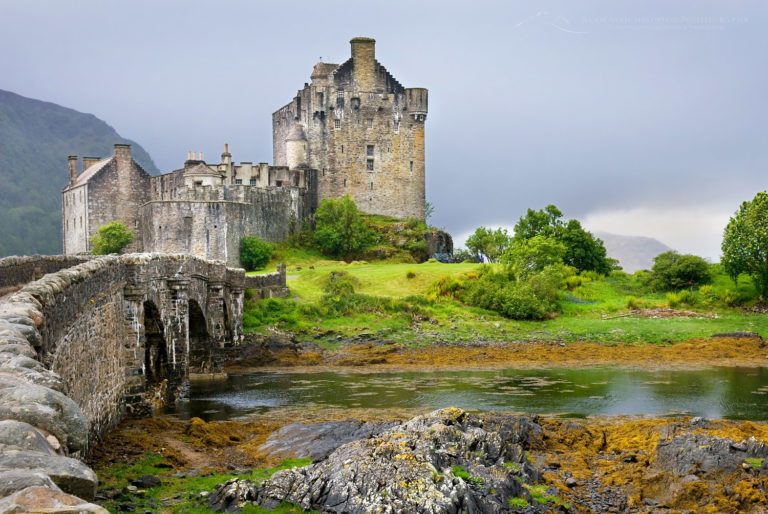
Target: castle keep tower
{"type": "Point", "coordinates": [363, 132]}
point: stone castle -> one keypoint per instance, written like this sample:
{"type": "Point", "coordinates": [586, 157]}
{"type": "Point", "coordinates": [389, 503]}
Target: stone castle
{"type": "Point", "coordinates": [353, 130]}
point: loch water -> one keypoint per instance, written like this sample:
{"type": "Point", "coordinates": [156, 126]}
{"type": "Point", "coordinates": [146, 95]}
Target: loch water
{"type": "Point", "coordinates": [719, 392]}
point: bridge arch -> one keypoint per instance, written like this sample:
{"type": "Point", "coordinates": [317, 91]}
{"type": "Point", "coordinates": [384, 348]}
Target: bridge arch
{"type": "Point", "coordinates": [155, 346]}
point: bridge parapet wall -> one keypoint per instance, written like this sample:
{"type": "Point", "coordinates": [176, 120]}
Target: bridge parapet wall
{"type": "Point", "coordinates": [74, 350]}
{"type": "Point", "coordinates": [16, 271]}
{"type": "Point", "coordinates": [268, 285]}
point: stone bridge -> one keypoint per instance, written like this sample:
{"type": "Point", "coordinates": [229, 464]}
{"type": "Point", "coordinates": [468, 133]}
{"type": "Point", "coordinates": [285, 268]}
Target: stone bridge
{"type": "Point", "coordinates": [85, 341]}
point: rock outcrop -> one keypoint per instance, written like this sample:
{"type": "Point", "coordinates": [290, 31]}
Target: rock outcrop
{"type": "Point", "coordinates": [444, 462]}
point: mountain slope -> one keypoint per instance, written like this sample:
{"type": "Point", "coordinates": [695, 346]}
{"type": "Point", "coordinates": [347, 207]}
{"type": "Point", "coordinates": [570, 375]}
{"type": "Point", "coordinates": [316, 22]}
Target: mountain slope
{"type": "Point", "coordinates": [35, 139]}
{"type": "Point", "coordinates": [634, 252]}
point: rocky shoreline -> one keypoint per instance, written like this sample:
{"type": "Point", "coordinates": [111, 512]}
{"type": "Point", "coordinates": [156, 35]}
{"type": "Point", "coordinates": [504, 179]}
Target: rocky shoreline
{"type": "Point", "coordinates": [456, 461]}
{"type": "Point", "coordinates": [283, 350]}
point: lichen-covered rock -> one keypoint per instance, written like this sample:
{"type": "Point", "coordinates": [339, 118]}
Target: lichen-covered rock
{"type": "Point", "coordinates": [71, 475]}
{"type": "Point", "coordinates": [30, 370]}
{"type": "Point", "coordinates": [17, 435]}
{"type": "Point", "coordinates": [700, 454]}
{"type": "Point", "coordinates": [443, 462]}
{"type": "Point", "coordinates": [232, 495]}
{"type": "Point", "coordinates": [317, 440]}
{"type": "Point", "coordinates": [48, 500]}
{"type": "Point", "coordinates": [18, 479]}
{"type": "Point", "coordinates": [45, 408]}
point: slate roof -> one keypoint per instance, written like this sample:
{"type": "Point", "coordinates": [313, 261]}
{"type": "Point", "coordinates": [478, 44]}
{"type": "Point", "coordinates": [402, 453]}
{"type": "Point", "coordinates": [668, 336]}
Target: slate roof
{"type": "Point", "coordinates": [92, 170]}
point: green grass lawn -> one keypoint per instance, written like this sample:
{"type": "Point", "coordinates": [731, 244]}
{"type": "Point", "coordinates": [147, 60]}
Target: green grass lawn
{"type": "Point", "coordinates": [393, 307]}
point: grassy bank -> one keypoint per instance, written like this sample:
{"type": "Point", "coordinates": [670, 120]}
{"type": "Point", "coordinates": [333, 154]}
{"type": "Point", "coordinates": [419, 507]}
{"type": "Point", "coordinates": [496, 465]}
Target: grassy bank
{"type": "Point", "coordinates": [393, 301]}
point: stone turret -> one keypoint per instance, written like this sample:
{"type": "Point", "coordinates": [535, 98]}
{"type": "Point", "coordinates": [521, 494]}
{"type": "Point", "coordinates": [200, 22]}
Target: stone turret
{"type": "Point", "coordinates": [296, 147]}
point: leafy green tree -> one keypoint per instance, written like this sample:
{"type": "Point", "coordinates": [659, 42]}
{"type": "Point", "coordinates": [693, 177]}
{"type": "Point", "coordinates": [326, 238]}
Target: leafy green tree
{"type": "Point", "coordinates": [745, 242]}
{"type": "Point", "coordinates": [340, 230]}
{"type": "Point", "coordinates": [583, 250]}
{"type": "Point", "coordinates": [255, 253]}
{"type": "Point", "coordinates": [490, 243]}
{"type": "Point", "coordinates": [111, 238]}
{"type": "Point", "coordinates": [529, 256]}
{"type": "Point", "coordinates": [674, 271]}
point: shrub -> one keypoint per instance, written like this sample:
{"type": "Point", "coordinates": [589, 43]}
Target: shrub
{"type": "Point", "coordinates": [410, 274]}
{"type": "Point", "coordinates": [340, 283]}
{"type": "Point", "coordinates": [687, 297]}
{"type": "Point", "coordinates": [535, 298]}
{"type": "Point", "coordinates": [445, 287]}
{"type": "Point", "coordinates": [632, 303]}
{"type": "Point", "coordinates": [674, 271]}
{"type": "Point", "coordinates": [573, 282]}
{"type": "Point", "coordinates": [730, 297]}
{"type": "Point", "coordinates": [111, 238]}
{"type": "Point", "coordinates": [340, 230]}
{"type": "Point", "coordinates": [673, 300]}
{"type": "Point", "coordinates": [255, 253]}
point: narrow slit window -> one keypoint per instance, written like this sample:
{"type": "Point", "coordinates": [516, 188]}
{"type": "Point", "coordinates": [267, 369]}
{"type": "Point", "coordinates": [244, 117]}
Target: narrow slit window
{"type": "Point", "coordinates": [370, 122]}
{"type": "Point", "coordinates": [345, 182]}
{"type": "Point", "coordinates": [371, 186]}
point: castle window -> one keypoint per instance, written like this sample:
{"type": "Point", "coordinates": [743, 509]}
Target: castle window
{"type": "Point", "coordinates": [397, 127]}
{"type": "Point", "coordinates": [342, 148]}
{"type": "Point", "coordinates": [369, 121]}
{"type": "Point", "coordinates": [319, 98]}
{"type": "Point", "coordinates": [238, 181]}
{"type": "Point", "coordinates": [340, 94]}
{"type": "Point", "coordinates": [369, 164]}
{"type": "Point", "coordinates": [411, 168]}
{"type": "Point", "coordinates": [370, 96]}
{"type": "Point", "coordinates": [253, 181]}
{"type": "Point", "coordinates": [371, 186]}
{"type": "Point", "coordinates": [345, 182]}
{"type": "Point", "coordinates": [337, 123]}
{"type": "Point", "coordinates": [198, 182]}
{"type": "Point", "coordinates": [369, 150]}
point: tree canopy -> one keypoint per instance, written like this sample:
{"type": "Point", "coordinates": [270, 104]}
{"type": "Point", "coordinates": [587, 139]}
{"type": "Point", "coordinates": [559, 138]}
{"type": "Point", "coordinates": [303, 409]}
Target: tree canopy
{"type": "Point", "coordinates": [340, 230]}
{"type": "Point", "coordinates": [674, 271]}
{"type": "Point", "coordinates": [745, 242]}
{"type": "Point", "coordinates": [111, 238]}
{"type": "Point", "coordinates": [488, 242]}
{"type": "Point", "coordinates": [255, 253]}
{"type": "Point", "coordinates": [583, 250]}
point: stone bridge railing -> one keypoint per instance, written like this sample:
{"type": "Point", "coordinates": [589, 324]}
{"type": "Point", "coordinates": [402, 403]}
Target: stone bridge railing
{"type": "Point", "coordinates": [84, 345]}
{"type": "Point", "coordinates": [17, 271]}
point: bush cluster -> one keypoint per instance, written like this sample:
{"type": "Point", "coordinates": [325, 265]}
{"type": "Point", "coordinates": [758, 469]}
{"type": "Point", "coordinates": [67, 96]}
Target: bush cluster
{"type": "Point", "coordinates": [255, 253]}
{"type": "Point", "coordinates": [672, 270]}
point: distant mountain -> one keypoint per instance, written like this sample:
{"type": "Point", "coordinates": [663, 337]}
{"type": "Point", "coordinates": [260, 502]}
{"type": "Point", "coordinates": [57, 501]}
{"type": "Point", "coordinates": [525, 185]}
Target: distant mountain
{"type": "Point", "coordinates": [633, 252]}
{"type": "Point", "coordinates": [35, 139]}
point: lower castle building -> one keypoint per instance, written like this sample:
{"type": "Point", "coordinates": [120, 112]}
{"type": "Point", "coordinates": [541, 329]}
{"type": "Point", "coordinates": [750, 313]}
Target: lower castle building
{"type": "Point", "coordinates": [201, 209]}
{"type": "Point", "coordinates": [354, 130]}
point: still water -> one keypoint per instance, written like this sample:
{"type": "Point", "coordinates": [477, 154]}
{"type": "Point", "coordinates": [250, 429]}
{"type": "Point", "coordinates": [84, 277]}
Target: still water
{"type": "Point", "coordinates": [735, 393]}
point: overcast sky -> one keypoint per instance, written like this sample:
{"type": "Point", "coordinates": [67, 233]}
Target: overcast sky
{"type": "Point", "coordinates": [639, 118]}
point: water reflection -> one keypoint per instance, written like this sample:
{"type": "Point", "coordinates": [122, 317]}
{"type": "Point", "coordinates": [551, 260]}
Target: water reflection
{"type": "Point", "coordinates": [737, 393]}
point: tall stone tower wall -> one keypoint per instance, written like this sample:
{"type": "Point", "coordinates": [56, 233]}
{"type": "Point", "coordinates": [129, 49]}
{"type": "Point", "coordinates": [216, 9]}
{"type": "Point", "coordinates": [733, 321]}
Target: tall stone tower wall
{"type": "Point", "coordinates": [365, 134]}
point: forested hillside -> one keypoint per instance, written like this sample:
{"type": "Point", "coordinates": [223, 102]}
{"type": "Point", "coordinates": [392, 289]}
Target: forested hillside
{"type": "Point", "coordinates": [35, 139]}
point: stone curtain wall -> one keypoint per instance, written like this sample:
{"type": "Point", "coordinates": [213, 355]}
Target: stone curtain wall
{"type": "Point", "coordinates": [16, 271]}
{"type": "Point", "coordinates": [213, 229]}
{"type": "Point", "coordinates": [86, 324]}
{"type": "Point", "coordinates": [268, 285]}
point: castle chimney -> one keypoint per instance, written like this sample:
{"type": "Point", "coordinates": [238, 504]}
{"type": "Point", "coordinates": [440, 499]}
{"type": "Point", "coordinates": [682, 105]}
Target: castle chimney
{"type": "Point", "coordinates": [189, 155]}
{"type": "Point", "coordinates": [89, 161]}
{"type": "Point", "coordinates": [123, 152]}
{"type": "Point", "coordinates": [226, 147]}
{"type": "Point", "coordinates": [72, 168]}
{"type": "Point", "coordinates": [363, 59]}
{"type": "Point", "coordinates": [201, 156]}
